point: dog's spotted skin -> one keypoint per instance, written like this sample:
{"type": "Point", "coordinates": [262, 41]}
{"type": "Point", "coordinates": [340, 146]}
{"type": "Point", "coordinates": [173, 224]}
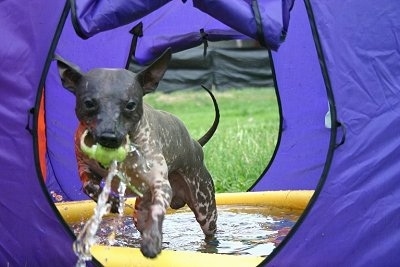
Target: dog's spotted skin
{"type": "Point", "coordinates": [168, 166]}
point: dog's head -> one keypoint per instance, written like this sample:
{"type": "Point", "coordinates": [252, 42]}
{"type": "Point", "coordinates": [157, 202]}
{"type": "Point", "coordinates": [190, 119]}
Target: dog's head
{"type": "Point", "coordinates": [109, 101]}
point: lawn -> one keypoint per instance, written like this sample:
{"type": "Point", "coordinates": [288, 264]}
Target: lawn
{"type": "Point", "coordinates": [246, 137]}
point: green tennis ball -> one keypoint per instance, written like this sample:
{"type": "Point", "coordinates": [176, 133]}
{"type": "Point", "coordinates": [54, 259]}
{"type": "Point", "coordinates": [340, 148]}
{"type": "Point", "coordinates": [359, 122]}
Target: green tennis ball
{"type": "Point", "coordinates": [103, 155]}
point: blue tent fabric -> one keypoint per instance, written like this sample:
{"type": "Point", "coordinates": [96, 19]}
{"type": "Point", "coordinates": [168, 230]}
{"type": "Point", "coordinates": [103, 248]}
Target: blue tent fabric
{"type": "Point", "coordinates": [92, 17]}
{"type": "Point", "coordinates": [341, 57]}
{"type": "Point", "coordinates": [273, 18]}
{"type": "Point", "coordinates": [31, 233]}
{"type": "Point", "coordinates": [159, 36]}
{"type": "Point", "coordinates": [239, 20]}
{"type": "Point", "coordinates": [304, 139]}
{"type": "Point", "coordinates": [356, 220]}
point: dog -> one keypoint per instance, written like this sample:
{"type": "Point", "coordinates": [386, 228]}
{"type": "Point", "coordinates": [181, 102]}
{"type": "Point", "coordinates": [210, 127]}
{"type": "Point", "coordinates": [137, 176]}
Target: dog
{"type": "Point", "coordinates": [172, 173]}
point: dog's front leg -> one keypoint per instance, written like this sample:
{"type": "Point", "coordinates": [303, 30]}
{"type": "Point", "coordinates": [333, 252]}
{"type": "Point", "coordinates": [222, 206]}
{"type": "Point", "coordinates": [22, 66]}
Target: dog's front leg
{"type": "Point", "coordinates": [151, 208]}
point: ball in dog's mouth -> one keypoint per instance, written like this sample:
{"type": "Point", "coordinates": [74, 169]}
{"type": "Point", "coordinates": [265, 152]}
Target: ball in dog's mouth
{"type": "Point", "coordinates": [104, 155]}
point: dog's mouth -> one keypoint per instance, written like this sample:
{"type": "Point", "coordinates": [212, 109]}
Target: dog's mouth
{"type": "Point", "coordinates": [104, 155]}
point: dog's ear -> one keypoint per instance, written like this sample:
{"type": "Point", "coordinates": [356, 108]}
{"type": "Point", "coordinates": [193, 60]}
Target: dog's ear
{"type": "Point", "coordinates": [150, 77]}
{"type": "Point", "coordinates": [69, 73]}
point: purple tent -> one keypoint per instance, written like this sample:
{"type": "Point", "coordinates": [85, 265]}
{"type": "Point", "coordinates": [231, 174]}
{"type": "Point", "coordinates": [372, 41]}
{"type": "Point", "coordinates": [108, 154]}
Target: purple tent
{"type": "Point", "coordinates": [337, 73]}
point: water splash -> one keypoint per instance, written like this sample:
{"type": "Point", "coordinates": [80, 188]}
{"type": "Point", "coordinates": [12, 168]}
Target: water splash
{"type": "Point", "coordinates": [87, 237]}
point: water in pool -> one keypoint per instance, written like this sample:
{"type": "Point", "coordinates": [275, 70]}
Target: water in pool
{"type": "Point", "coordinates": [242, 230]}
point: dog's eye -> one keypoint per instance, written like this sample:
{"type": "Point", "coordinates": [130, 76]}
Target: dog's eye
{"type": "Point", "coordinates": [130, 106]}
{"type": "Point", "coordinates": [90, 104]}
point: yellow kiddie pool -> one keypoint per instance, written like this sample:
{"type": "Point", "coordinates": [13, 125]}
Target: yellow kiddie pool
{"type": "Point", "coordinates": [80, 211]}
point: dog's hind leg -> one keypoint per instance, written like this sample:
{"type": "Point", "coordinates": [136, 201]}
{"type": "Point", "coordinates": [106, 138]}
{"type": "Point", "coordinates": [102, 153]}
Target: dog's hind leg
{"type": "Point", "coordinates": [204, 205]}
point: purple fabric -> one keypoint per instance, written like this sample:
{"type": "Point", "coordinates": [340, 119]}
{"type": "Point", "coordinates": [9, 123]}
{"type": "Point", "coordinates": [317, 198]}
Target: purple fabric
{"type": "Point", "coordinates": [235, 23]}
{"type": "Point", "coordinates": [304, 141]}
{"type": "Point", "coordinates": [159, 34]}
{"type": "Point", "coordinates": [31, 234]}
{"type": "Point", "coordinates": [355, 220]}
{"type": "Point", "coordinates": [97, 16]}
{"type": "Point", "coordinates": [239, 16]}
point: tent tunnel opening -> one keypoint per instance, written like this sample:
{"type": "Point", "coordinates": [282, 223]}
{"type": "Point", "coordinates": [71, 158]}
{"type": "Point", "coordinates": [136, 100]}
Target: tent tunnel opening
{"type": "Point", "coordinates": [305, 166]}
{"type": "Point", "coordinates": [300, 136]}
{"type": "Point", "coordinates": [336, 76]}
{"type": "Point", "coordinates": [60, 150]}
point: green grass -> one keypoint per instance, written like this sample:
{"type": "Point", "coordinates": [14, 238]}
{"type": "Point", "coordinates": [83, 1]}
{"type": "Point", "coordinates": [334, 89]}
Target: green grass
{"type": "Point", "coordinates": [246, 137]}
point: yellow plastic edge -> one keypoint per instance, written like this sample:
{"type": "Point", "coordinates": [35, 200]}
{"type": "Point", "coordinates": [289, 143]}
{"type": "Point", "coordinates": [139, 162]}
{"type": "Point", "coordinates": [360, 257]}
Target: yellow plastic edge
{"type": "Point", "coordinates": [76, 211]}
{"type": "Point", "coordinates": [122, 256]}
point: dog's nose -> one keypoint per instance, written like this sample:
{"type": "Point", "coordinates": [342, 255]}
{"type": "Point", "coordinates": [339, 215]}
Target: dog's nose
{"type": "Point", "coordinates": [109, 140]}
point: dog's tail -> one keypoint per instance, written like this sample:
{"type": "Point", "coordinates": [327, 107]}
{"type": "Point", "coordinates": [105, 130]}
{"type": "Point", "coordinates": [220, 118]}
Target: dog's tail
{"type": "Point", "coordinates": [207, 136]}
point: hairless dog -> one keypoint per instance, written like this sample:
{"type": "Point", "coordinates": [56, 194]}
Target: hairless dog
{"type": "Point", "coordinates": [168, 166]}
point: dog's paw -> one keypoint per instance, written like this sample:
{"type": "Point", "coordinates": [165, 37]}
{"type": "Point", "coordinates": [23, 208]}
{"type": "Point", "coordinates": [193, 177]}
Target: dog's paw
{"type": "Point", "coordinates": [150, 245]}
